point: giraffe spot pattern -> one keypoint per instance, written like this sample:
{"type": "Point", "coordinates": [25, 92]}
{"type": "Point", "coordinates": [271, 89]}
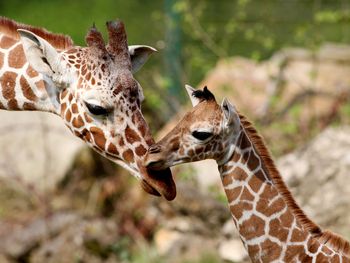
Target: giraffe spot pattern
{"type": "Point", "coordinates": [78, 122]}
{"type": "Point", "coordinates": [312, 246]}
{"type": "Point", "coordinates": [12, 104]}
{"type": "Point", "coordinates": [1, 59]}
{"type": "Point", "coordinates": [270, 208]}
{"type": "Point", "coordinates": [68, 116]}
{"type": "Point", "coordinates": [292, 252]}
{"type": "Point", "coordinates": [131, 136]}
{"type": "Point", "coordinates": [142, 128]}
{"type": "Point", "coordinates": [7, 42]}
{"type": "Point", "coordinates": [307, 259]}
{"type": "Point", "coordinates": [87, 118]}
{"type": "Point", "coordinates": [253, 162]}
{"type": "Point", "coordinates": [128, 156]}
{"type": "Point", "coordinates": [233, 194]}
{"type": "Point", "coordinates": [239, 174]}
{"type": "Point", "coordinates": [244, 142]}
{"type": "Point", "coordinates": [297, 235]}
{"type": "Point", "coordinates": [246, 195]}
{"type": "Point", "coordinates": [74, 108]}
{"type": "Point", "coordinates": [277, 231]}
{"type": "Point", "coordinates": [252, 227]}
{"type": "Point", "coordinates": [40, 85]}
{"type": "Point", "coordinates": [16, 57]}
{"type": "Point", "coordinates": [86, 135]}
{"type": "Point", "coordinates": [27, 90]}
{"type": "Point", "coordinates": [321, 258]}
{"type": "Point", "coordinates": [286, 219]}
{"type": "Point", "coordinates": [99, 137]}
{"type": "Point", "coordinates": [254, 250]}
{"type": "Point", "coordinates": [140, 150]}
{"type": "Point", "coordinates": [29, 106]}
{"type": "Point", "coordinates": [236, 156]}
{"type": "Point", "coordinates": [31, 72]}
{"type": "Point", "coordinates": [121, 142]}
{"type": "Point", "coordinates": [63, 108]}
{"type": "Point", "coordinates": [7, 81]}
{"type": "Point", "coordinates": [112, 149]}
{"type": "Point", "coordinates": [237, 210]}
{"type": "Point", "coordinates": [255, 183]}
{"type": "Point", "coordinates": [272, 251]}
{"type": "Point", "coordinates": [326, 250]}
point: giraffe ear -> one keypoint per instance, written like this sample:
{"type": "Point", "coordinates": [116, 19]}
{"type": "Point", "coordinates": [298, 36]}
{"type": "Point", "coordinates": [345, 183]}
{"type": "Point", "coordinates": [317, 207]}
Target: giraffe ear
{"type": "Point", "coordinates": [139, 55]}
{"type": "Point", "coordinates": [231, 118]}
{"type": "Point", "coordinates": [39, 53]}
{"type": "Point", "coordinates": [193, 99]}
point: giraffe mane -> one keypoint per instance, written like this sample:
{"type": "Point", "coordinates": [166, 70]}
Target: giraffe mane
{"type": "Point", "coordinates": [58, 41]}
{"type": "Point", "coordinates": [335, 241]}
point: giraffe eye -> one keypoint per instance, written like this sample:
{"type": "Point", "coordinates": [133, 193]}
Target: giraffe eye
{"type": "Point", "coordinates": [96, 109]}
{"type": "Point", "coordinates": [201, 135]}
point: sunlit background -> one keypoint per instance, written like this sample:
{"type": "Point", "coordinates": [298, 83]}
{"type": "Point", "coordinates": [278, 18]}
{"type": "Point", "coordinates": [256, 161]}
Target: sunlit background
{"type": "Point", "coordinates": [285, 64]}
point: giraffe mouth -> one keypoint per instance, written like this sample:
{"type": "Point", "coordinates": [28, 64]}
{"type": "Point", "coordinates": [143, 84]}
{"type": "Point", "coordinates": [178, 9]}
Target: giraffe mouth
{"type": "Point", "coordinates": [158, 182]}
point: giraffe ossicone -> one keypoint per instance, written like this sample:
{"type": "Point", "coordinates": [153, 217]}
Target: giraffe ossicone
{"type": "Point", "coordinates": [271, 225]}
{"type": "Point", "coordinates": [92, 88]}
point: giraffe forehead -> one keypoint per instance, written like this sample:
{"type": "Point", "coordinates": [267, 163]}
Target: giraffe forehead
{"type": "Point", "coordinates": [99, 69]}
{"type": "Point", "coordinates": [206, 111]}
{"type": "Point", "coordinates": [205, 125]}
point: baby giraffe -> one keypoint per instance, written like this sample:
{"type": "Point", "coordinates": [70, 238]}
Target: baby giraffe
{"type": "Point", "coordinates": [271, 225]}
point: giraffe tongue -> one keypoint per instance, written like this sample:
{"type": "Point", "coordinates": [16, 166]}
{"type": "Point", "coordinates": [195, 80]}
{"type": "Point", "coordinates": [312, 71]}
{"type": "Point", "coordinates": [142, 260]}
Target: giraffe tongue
{"type": "Point", "coordinates": [149, 189]}
{"type": "Point", "coordinates": [159, 183]}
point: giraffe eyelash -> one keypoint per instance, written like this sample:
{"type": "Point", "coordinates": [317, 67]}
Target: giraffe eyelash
{"type": "Point", "coordinates": [201, 135]}
{"type": "Point", "coordinates": [96, 109]}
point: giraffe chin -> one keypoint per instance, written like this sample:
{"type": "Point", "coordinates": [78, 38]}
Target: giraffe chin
{"type": "Point", "coordinates": [159, 183]}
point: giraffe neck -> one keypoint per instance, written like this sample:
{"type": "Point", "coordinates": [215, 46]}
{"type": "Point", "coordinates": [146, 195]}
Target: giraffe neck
{"type": "Point", "coordinates": [271, 225]}
{"type": "Point", "coordinates": [21, 87]}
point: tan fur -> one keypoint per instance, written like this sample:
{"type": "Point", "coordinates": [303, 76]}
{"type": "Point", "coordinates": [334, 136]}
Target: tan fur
{"type": "Point", "coordinates": [58, 41]}
{"type": "Point", "coordinates": [325, 237]}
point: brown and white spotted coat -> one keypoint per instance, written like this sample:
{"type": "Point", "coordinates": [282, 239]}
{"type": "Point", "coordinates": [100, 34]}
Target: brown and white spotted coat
{"type": "Point", "coordinates": [271, 225]}
{"type": "Point", "coordinates": [92, 88]}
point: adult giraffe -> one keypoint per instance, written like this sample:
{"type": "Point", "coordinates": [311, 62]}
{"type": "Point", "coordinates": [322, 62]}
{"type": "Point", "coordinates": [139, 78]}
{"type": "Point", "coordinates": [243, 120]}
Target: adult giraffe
{"type": "Point", "coordinates": [92, 88]}
{"type": "Point", "coordinates": [271, 225]}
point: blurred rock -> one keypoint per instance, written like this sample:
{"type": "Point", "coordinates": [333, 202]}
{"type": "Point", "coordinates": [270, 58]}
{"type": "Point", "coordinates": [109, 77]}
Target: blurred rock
{"type": "Point", "coordinates": [89, 240]}
{"type": "Point", "coordinates": [319, 176]}
{"type": "Point", "coordinates": [37, 149]}
{"type": "Point", "coordinates": [232, 250]}
{"type": "Point", "coordinates": [200, 207]}
{"type": "Point", "coordinates": [178, 247]}
{"type": "Point", "coordinates": [61, 237]}
{"type": "Point", "coordinates": [167, 240]}
{"type": "Point", "coordinates": [18, 241]}
{"type": "Point", "coordinates": [289, 73]}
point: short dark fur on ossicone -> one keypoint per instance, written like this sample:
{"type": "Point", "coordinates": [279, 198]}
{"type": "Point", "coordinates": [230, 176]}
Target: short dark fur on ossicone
{"type": "Point", "coordinates": [204, 94]}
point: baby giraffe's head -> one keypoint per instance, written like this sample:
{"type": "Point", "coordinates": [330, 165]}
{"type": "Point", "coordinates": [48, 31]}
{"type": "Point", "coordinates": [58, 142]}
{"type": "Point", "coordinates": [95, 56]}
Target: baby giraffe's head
{"type": "Point", "coordinates": [208, 131]}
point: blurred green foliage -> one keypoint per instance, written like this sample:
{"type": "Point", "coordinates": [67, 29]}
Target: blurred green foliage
{"type": "Point", "coordinates": [209, 30]}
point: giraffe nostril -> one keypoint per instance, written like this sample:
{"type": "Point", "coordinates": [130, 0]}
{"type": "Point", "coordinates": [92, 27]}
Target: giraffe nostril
{"type": "Point", "coordinates": [154, 148]}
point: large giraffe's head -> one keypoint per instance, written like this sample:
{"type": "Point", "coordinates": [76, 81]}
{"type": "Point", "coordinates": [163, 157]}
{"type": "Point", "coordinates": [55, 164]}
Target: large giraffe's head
{"type": "Point", "coordinates": [206, 132]}
{"type": "Point", "coordinates": [99, 99]}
